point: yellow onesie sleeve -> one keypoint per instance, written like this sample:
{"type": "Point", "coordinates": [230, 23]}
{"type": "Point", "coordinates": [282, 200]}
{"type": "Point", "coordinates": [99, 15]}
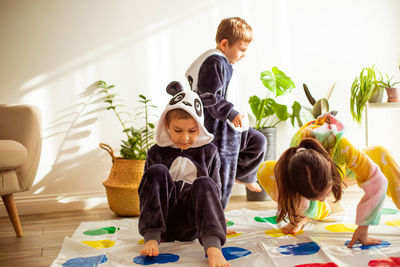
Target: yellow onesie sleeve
{"type": "Point", "coordinates": [369, 177]}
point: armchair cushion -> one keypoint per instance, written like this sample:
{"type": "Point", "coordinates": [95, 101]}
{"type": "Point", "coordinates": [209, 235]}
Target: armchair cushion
{"type": "Point", "coordinates": [13, 154]}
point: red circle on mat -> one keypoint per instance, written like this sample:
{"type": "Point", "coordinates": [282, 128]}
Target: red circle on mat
{"type": "Point", "coordinates": [329, 264]}
{"type": "Point", "coordinates": [386, 262]}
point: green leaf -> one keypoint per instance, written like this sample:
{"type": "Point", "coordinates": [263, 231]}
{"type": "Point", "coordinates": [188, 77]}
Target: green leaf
{"type": "Point", "coordinates": [268, 79]}
{"type": "Point", "coordinates": [296, 108]}
{"type": "Point", "coordinates": [280, 111]}
{"type": "Point", "coordinates": [284, 84]}
{"type": "Point", "coordinates": [256, 107]}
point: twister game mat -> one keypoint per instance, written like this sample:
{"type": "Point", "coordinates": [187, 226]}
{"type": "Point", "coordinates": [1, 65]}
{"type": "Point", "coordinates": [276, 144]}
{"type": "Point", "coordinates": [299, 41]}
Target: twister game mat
{"type": "Point", "coordinates": [258, 242]}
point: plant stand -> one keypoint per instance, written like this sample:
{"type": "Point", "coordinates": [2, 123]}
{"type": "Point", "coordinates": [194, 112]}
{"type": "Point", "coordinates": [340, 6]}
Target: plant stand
{"type": "Point", "coordinates": [270, 135]}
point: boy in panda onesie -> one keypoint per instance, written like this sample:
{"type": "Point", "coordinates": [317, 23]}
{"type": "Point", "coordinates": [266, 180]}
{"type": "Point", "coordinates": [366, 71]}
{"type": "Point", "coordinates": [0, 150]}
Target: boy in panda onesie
{"type": "Point", "coordinates": [180, 192]}
{"type": "Point", "coordinates": [241, 148]}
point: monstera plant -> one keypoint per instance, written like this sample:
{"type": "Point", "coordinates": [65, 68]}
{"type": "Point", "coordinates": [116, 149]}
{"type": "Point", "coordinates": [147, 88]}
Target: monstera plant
{"type": "Point", "coordinates": [267, 111]}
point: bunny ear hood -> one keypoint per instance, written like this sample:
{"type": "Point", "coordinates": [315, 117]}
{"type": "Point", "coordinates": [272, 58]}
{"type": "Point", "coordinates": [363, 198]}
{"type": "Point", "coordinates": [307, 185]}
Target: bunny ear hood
{"type": "Point", "coordinates": [190, 102]}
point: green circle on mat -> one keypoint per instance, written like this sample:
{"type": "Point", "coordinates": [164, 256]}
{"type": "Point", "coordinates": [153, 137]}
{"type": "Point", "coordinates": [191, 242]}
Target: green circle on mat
{"type": "Point", "coordinates": [101, 231]}
{"type": "Point", "coordinates": [388, 211]}
{"type": "Point", "coordinates": [271, 219]}
{"type": "Point", "coordinates": [229, 223]}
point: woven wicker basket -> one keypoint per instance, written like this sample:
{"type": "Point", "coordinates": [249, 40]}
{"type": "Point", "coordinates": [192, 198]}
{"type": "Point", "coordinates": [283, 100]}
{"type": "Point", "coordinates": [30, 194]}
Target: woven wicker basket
{"type": "Point", "coordinates": [122, 184]}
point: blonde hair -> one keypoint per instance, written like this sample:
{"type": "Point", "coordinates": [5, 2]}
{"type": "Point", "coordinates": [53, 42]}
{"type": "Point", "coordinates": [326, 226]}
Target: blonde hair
{"type": "Point", "coordinates": [234, 29]}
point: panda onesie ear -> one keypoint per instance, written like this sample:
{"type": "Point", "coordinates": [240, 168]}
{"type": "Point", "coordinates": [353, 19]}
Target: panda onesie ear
{"type": "Point", "coordinates": [174, 87]}
{"type": "Point", "coordinates": [190, 102]}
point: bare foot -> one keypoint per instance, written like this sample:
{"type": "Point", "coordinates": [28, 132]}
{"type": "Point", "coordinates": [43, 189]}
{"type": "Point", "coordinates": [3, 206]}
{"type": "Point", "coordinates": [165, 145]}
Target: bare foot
{"type": "Point", "coordinates": [255, 187]}
{"type": "Point", "coordinates": [216, 258]}
{"type": "Point", "coordinates": [294, 228]}
{"type": "Point", "coordinates": [150, 248]}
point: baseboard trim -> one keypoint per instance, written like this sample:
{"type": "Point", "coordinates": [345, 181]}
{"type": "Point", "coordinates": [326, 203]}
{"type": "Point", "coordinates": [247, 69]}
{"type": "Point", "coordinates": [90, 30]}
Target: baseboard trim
{"type": "Point", "coordinates": [57, 202]}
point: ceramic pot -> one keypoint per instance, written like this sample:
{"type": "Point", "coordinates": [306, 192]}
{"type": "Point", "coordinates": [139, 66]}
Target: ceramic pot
{"type": "Point", "coordinates": [393, 94]}
{"type": "Point", "coordinates": [377, 97]}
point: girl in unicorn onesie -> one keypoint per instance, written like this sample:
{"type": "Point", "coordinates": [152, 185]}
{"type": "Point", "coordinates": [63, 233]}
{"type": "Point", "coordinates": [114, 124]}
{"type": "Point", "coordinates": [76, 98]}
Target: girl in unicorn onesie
{"type": "Point", "coordinates": [314, 167]}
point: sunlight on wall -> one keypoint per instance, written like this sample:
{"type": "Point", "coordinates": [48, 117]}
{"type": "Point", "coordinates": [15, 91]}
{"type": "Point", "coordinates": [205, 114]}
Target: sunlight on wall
{"type": "Point", "coordinates": [142, 49]}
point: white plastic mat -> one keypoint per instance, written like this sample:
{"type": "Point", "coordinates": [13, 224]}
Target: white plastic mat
{"type": "Point", "coordinates": [259, 242]}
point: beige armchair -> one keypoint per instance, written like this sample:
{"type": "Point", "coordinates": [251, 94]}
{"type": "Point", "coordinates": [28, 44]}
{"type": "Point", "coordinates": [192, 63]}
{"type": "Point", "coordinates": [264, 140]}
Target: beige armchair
{"type": "Point", "coordinates": [20, 148]}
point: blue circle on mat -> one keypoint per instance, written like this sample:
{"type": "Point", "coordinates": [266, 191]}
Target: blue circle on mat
{"type": "Point", "coordinates": [86, 262]}
{"type": "Point", "coordinates": [299, 249]}
{"type": "Point", "coordinates": [231, 253]}
{"type": "Point", "coordinates": [161, 258]}
{"type": "Point", "coordinates": [358, 245]}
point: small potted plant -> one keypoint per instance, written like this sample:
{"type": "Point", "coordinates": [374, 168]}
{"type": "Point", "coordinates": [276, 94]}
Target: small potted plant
{"type": "Point", "coordinates": [269, 113]}
{"type": "Point", "coordinates": [127, 170]}
{"type": "Point", "coordinates": [391, 89]}
{"type": "Point", "coordinates": [365, 88]}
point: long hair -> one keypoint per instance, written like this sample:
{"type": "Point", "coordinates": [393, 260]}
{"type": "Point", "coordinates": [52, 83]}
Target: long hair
{"type": "Point", "coordinates": [304, 171]}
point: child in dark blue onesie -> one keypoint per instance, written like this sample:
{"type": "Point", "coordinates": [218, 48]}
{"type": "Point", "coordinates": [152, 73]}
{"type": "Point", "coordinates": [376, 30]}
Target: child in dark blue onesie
{"type": "Point", "coordinates": [241, 148]}
{"type": "Point", "coordinates": [180, 192]}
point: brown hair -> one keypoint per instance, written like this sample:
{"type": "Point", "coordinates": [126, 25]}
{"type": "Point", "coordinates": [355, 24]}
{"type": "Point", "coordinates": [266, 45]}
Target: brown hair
{"type": "Point", "coordinates": [234, 29]}
{"type": "Point", "coordinates": [304, 171]}
{"type": "Point", "coordinates": [177, 113]}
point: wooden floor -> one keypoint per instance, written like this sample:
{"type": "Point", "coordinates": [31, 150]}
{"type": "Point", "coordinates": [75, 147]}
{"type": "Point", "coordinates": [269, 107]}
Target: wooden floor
{"type": "Point", "coordinates": [44, 233]}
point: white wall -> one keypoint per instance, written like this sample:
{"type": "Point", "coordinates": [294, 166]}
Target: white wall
{"type": "Point", "coordinates": [52, 51]}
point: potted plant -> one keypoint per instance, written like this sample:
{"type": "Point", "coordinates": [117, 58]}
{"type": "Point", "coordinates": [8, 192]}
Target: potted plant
{"type": "Point", "coordinates": [269, 113]}
{"type": "Point", "coordinates": [391, 89]}
{"type": "Point", "coordinates": [127, 170]}
{"type": "Point", "coordinates": [365, 88]}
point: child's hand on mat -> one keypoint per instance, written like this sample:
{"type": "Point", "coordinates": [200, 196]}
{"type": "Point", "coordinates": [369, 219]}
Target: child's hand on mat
{"type": "Point", "coordinates": [291, 229]}
{"type": "Point", "coordinates": [238, 120]}
{"type": "Point", "coordinates": [361, 234]}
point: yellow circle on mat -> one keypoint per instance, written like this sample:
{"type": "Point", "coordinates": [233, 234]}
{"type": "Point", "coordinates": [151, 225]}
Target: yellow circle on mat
{"type": "Point", "coordinates": [395, 223]}
{"type": "Point", "coordinates": [141, 242]}
{"type": "Point", "coordinates": [279, 233]}
{"type": "Point", "coordinates": [233, 235]}
{"type": "Point", "coordinates": [99, 244]}
{"type": "Point", "coordinates": [340, 227]}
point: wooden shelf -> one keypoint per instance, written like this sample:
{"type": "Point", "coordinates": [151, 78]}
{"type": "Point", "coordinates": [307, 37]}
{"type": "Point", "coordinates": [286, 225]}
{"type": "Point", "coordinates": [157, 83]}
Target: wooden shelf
{"type": "Point", "coordinates": [384, 105]}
